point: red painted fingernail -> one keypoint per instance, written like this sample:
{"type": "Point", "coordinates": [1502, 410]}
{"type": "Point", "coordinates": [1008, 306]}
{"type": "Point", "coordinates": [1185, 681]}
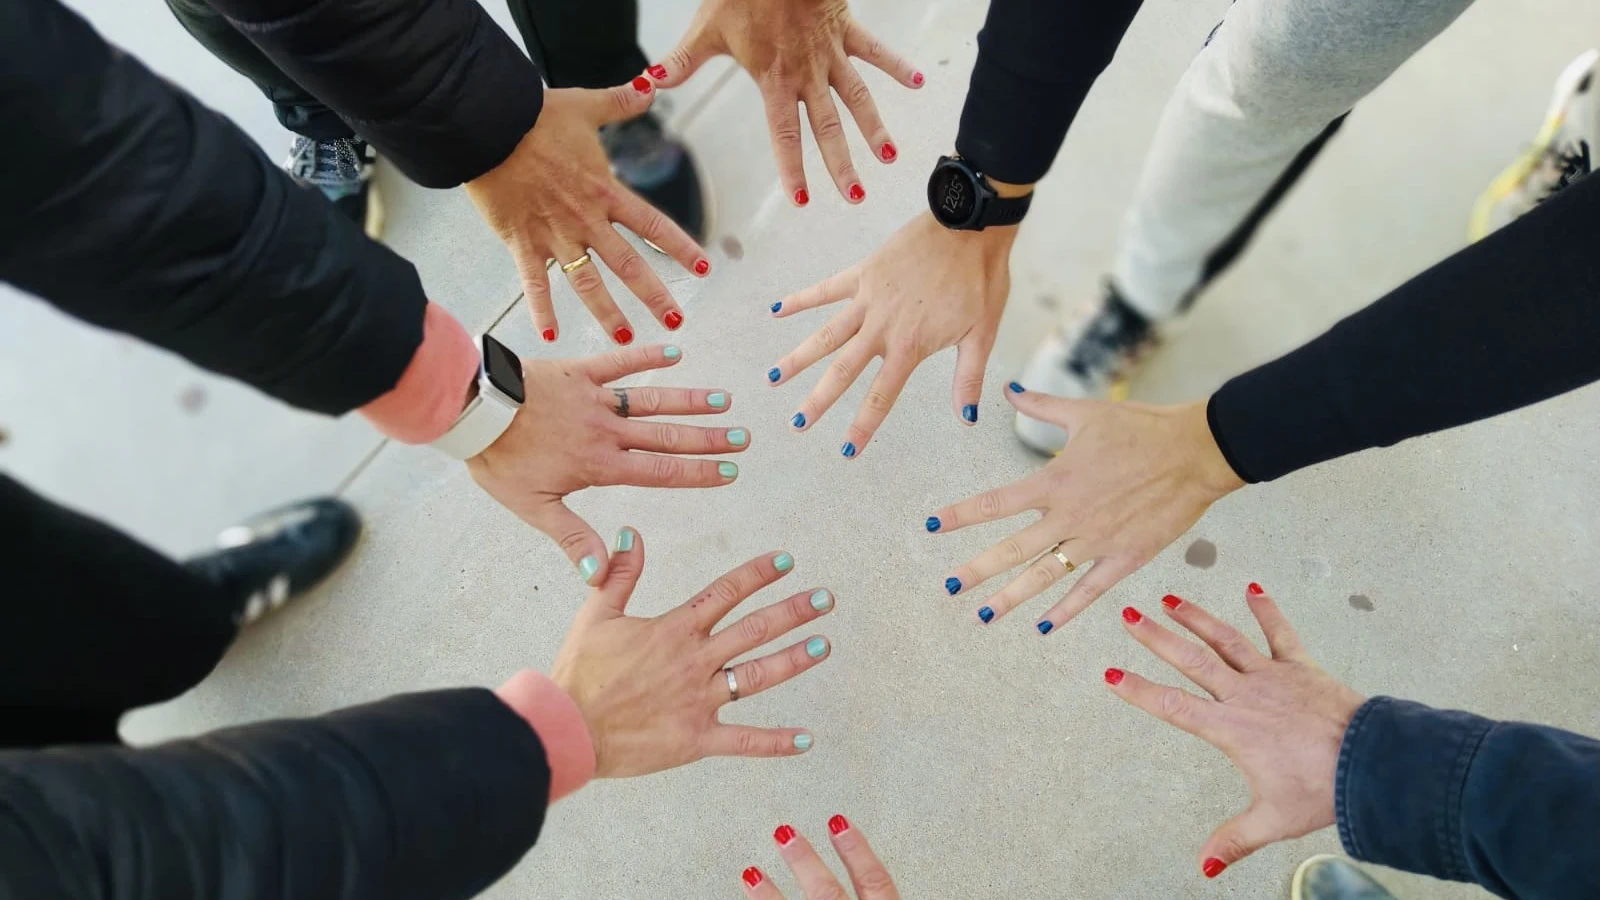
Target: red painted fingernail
{"type": "Point", "coordinates": [1114, 676]}
{"type": "Point", "coordinates": [657, 71]}
{"type": "Point", "coordinates": [838, 824]}
{"type": "Point", "coordinates": [916, 78]}
{"type": "Point", "coordinates": [1254, 589]}
{"type": "Point", "coordinates": [888, 152]}
{"type": "Point", "coordinates": [673, 318]}
{"type": "Point", "coordinates": [549, 334]}
{"type": "Point", "coordinates": [857, 192]}
{"type": "Point", "coordinates": [1213, 867]}
{"type": "Point", "coordinates": [1131, 615]}
{"type": "Point", "coordinates": [624, 335]}
{"type": "Point", "coordinates": [783, 834]}
{"type": "Point", "coordinates": [1172, 601]}
{"type": "Point", "coordinates": [641, 84]}
{"type": "Point", "coordinates": [702, 266]}
{"type": "Point", "coordinates": [752, 876]}
{"type": "Point", "coordinates": [801, 198]}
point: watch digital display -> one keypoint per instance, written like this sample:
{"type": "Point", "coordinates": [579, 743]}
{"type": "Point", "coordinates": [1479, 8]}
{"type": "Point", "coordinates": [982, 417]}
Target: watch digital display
{"type": "Point", "coordinates": [952, 196]}
{"type": "Point", "coordinates": [503, 368]}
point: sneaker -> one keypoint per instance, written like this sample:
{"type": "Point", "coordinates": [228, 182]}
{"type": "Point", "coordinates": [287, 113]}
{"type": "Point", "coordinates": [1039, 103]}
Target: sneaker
{"type": "Point", "coordinates": [1092, 356]}
{"type": "Point", "coordinates": [342, 170]}
{"type": "Point", "coordinates": [1559, 154]}
{"type": "Point", "coordinates": [280, 554]}
{"type": "Point", "coordinates": [1335, 878]}
{"type": "Point", "coordinates": [659, 168]}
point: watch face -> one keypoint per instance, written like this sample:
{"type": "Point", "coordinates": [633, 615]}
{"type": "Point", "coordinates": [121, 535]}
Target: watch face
{"type": "Point", "coordinates": [953, 196]}
{"type": "Point", "coordinates": [503, 368]}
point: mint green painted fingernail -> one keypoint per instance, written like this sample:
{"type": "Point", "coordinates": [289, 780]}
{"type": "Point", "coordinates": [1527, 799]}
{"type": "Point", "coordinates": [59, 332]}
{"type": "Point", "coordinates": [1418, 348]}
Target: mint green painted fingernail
{"type": "Point", "coordinates": [821, 600]}
{"type": "Point", "coordinates": [716, 400]}
{"type": "Point", "coordinates": [802, 742]}
{"type": "Point", "coordinates": [625, 540]}
{"type": "Point", "coordinates": [738, 437]}
{"type": "Point", "coordinates": [783, 562]}
{"type": "Point", "coordinates": [816, 647]}
{"type": "Point", "coordinates": [588, 566]}
{"type": "Point", "coordinates": [671, 352]}
{"type": "Point", "coordinates": [727, 470]}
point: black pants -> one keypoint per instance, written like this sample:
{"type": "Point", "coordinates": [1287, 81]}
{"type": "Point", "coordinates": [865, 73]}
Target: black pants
{"type": "Point", "coordinates": [576, 43]}
{"type": "Point", "coordinates": [93, 624]}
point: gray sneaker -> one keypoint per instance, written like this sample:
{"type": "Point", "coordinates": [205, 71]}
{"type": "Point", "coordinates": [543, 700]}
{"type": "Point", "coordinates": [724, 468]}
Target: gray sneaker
{"type": "Point", "coordinates": [1335, 878]}
{"type": "Point", "coordinates": [342, 170]}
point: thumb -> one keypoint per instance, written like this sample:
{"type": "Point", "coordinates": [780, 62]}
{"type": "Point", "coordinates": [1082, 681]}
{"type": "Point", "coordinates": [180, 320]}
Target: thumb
{"type": "Point", "coordinates": [576, 539]}
{"type": "Point", "coordinates": [1237, 838]}
{"type": "Point", "coordinates": [611, 598]}
{"type": "Point", "coordinates": [684, 60]}
{"type": "Point", "coordinates": [972, 356]}
{"type": "Point", "coordinates": [1066, 412]}
{"type": "Point", "coordinates": [625, 101]}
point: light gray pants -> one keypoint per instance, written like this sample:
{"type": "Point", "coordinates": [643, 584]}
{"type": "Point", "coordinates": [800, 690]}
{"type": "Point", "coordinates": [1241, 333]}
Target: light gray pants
{"type": "Point", "coordinates": [1249, 114]}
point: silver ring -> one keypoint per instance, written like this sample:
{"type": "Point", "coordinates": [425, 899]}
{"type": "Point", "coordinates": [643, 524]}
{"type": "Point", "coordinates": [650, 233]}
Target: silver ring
{"type": "Point", "coordinates": [733, 684]}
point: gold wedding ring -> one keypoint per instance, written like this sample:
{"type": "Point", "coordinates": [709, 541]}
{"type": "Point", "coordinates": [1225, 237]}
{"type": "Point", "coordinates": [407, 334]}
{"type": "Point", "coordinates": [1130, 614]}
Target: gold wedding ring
{"type": "Point", "coordinates": [1062, 558]}
{"type": "Point", "coordinates": [575, 264]}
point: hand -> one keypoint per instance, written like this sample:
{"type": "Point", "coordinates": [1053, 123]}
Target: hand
{"type": "Point", "coordinates": [870, 879]}
{"type": "Point", "coordinates": [925, 289]}
{"type": "Point", "coordinates": [1130, 480]}
{"type": "Point", "coordinates": [650, 689]}
{"type": "Point", "coordinates": [796, 50]}
{"type": "Point", "coordinates": [555, 198]}
{"type": "Point", "coordinates": [574, 433]}
{"type": "Point", "coordinates": [1280, 719]}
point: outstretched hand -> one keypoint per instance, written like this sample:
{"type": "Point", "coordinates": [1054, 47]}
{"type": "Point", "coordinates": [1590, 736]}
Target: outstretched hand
{"type": "Point", "coordinates": [867, 875]}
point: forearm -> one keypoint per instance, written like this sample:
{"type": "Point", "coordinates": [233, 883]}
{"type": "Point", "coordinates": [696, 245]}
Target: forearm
{"type": "Point", "coordinates": [1511, 806]}
{"type": "Point", "coordinates": [1502, 324]}
{"type": "Point", "coordinates": [435, 84]}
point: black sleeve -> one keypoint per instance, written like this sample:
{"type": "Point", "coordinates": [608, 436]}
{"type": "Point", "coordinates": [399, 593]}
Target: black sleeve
{"type": "Point", "coordinates": [1505, 323]}
{"type": "Point", "coordinates": [126, 203]}
{"type": "Point", "coordinates": [429, 796]}
{"type": "Point", "coordinates": [1037, 60]}
{"type": "Point", "coordinates": [436, 85]}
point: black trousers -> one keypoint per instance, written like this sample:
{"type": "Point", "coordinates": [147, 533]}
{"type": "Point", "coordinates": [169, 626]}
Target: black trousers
{"type": "Point", "coordinates": [93, 624]}
{"type": "Point", "coordinates": [575, 43]}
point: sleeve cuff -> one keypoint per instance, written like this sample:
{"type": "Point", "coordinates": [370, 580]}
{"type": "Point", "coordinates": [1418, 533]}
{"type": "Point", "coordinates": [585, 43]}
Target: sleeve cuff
{"type": "Point", "coordinates": [559, 723]}
{"type": "Point", "coordinates": [429, 396]}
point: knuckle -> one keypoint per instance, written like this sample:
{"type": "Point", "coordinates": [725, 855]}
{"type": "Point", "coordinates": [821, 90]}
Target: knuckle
{"type": "Point", "coordinates": [745, 744]}
{"type": "Point", "coordinates": [831, 891]}
{"type": "Point", "coordinates": [646, 400]}
{"type": "Point", "coordinates": [841, 370]}
{"type": "Point", "coordinates": [619, 360]}
{"type": "Point", "coordinates": [857, 93]}
{"type": "Point", "coordinates": [725, 591]}
{"type": "Point", "coordinates": [1194, 658]}
{"type": "Point", "coordinates": [827, 336]}
{"type": "Point", "coordinates": [630, 266]}
{"type": "Point", "coordinates": [571, 541]}
{"type": "Point", "coordinates": [755, 630]}
{"type": "Point", "coordinates": [904, 344]}
{"type": "Point", "coordinates": [1041, 576]}
{"type": "Point", "coordinates": [754, 679]}
{"type": "Point", "coordinates": [989, 505]}
{"type": "Point", "coordinates": [668, 437]}
{"type": "Point", "coordinates": [668, 468]}
{"type": "Point", "coordinates": [585, 279]}
{"type": "Point", "coordinates": [875, 881]}
{"type": "Point", "coordinates": [1011, 552]}
{"type": "Point", "coordinates": [877, 401]}
{"type": "Point", "coordinates": [1174, 704]}
{"type": "Point", "coordinates": [828, 127]}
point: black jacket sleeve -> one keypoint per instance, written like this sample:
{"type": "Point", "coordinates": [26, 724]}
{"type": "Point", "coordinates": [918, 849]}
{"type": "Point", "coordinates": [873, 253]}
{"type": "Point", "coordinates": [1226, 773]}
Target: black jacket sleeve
{"type": "Point", "coordinates": [429, 796]}
{"type": "Point", "coordinates": [1037, 60]}
{"type": "Point", "coordinates": [1505, 323]}
{"type": "Point", "coordinates": [440, 88]}
{"type": "Point", "coordinates": [126, 203]}
{"type": "Point", "coordinates": [1510, 806]}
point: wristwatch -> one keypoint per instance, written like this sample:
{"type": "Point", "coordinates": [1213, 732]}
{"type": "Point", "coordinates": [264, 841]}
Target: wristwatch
{"type": "Point", "coordinates": [962, 198]}
{"type": "Point", "coordinates": [495, 401]}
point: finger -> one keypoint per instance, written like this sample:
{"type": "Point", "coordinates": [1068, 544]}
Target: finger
{"type": "Point", "coordinates": [783, 124]}
{"type": "Point", "coordinates": [1003, 557]}
{"type": "Point", "coordinates": [616, 104]}
{"type": "Point", "coordinates": [1239, 837]}
{"type": "Point", "coordinates": [757, 675]}
{"type": "Point", "coordinates": [996, 503]}
{"type": "Point", "coordinates": [769, 622]}
{"type": "Point", "coordinates": [653, 401]}
{"type": "Point", "coordinates": [610, 599]}
{"type": "Point", "coordinates": [1101, 577]}
{"type": "Point", "coordinates": [685, 59]}
{"type": "Point", "coordinates": [1229, 643]}
{"type": "Point", "coordinates": [829, 134]}
{"type": "Point", "coordinates": [831, 336]}
{"type": "Point", "coordinates": [638, 216]}
{"type": "Point", "coordinates": [1041, 574]}
{"type": "Point", "coordinates": [604, 367]}
{"type": "Point", "coordinates": [575, 538]}
{"type": "Point", "coordinates": [972, 356]}
{"type": "Point", "coordinates": [666, 437]}
{"type": "Point", "coordinates": [847, 83]}
{"type": "Point", "coordinates": [860, 43]}
{"type": "Point", "coordinates": [713, 604]}
{"type": "Point", "coordinates": [626, 263]}
{"type": "Point", "coordinates": [747, 740]}
{"type": "Point", "coordinates": [1281, 637]}
{"type": "Point", "coordinates": [536, 287]}
{"type": "Point", "coordinates": [1062, 411]}
{"type": "Point", "coordinates": [1174, 706]}
{"type": "Point", "coordinates": [816, 879]}
{"type": "Point", "coordinates": [1194, 661]}
{"type": "Point", "coordinates": [881, 395]}
{"type": "Point", "coordinates": [867, 873]}
{"type": "Point", "coordinates": [847, 365]}
{"type": "Point", "coordinates": [832, 289]}
{"type": "Point", "coordinates": [654, 470]}
{"type": "Point", "coordinates": [757, 886]}
{"type": "Point", "coordinates": [591, 289]}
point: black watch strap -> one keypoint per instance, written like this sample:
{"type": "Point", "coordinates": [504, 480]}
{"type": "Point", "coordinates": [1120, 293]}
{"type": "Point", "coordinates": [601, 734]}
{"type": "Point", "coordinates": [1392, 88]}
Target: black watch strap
{"type": "Point", "coordinates": [1005, 210]}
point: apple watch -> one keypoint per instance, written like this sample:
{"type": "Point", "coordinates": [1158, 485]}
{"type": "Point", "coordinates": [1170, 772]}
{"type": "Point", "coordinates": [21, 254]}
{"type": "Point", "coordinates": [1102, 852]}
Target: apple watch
{"type": "Point", "coordinates": [962, 198]}
{"type": "Point", "coordinates": [495, 402]}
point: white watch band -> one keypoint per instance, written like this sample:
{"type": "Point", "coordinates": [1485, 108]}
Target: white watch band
{"type": "Point", "coordinates": [479, 425]}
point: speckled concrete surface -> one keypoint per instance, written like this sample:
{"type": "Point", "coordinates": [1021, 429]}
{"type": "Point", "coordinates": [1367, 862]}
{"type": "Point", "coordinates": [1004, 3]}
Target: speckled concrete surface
{"type": "Point", "coordinates": [984, 762]}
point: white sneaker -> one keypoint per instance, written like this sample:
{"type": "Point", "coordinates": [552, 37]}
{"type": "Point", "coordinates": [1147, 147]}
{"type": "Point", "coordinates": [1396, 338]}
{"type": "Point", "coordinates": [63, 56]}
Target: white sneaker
{"type": "Point", "coordinates": [1091, 355]}
{"type": "Point", "coordinates": [1559, 154]}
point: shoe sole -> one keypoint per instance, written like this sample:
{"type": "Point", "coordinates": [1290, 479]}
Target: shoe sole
{"type": "Point", "coordinates": [1298, 886]}
{"type": "Point", "coordinates": [374, 220]}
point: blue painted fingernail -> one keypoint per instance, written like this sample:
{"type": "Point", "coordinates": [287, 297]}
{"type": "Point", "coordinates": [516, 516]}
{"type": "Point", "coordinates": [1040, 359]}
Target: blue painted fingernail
{"type": "Point", "coordinates": [970, 412]}
{"type": "Point", "coordinates": [738, 437]}
{"type": "Point", "coordinates": [816, 647]}
{"type": "Point", "coordinates": [588, 566]}
{"type": "Point", "coordinates": [1044, 627]}
{"type": "Point", "coordinates": [849, 449]}
{"type": "Point", "coordinates": [799, 420]}
{"type": "Point", "coordinates": [821, 600]}
{"type": "Point", "coordinates": [802, 742]}
{"type": "Point", "coordinates": [717, 400]}
{"type": "Point", "coordinates": [783, 562]}
{"type": "Point", "coordinates": [773, 374]}
{"type": "Point", "coordinates": [671, 352]}
{"type": "Point", "coordinates": [985, 613]}
{"type": "Point", "coordinates": [727, 470]}
{"type": "Point", "coordinates": [625, 540]}
{"type": "Point", "coordinates": [933, 523]}
{"type": "Point", "coordinates": [952, 585]}
{"type": "Point", "coordinates": [1014, 387]}
{"type": "Point", "coordinates": [777, 306]}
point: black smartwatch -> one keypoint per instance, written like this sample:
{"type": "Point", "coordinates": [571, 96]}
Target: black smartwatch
{"type": "Point", "coordinates": [962, 198]}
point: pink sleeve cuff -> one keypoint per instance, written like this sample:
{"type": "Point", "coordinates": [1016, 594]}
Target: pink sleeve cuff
{"type": "Point", "coordinates": [559, 723]}
{"type": "Point", "coordinates": [432, 390]}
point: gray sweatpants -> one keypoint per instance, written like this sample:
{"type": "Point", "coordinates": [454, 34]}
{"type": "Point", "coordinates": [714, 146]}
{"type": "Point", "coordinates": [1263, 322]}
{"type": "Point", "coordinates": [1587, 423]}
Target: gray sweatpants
{"type": "Point", "coordinates": [1273, 81]}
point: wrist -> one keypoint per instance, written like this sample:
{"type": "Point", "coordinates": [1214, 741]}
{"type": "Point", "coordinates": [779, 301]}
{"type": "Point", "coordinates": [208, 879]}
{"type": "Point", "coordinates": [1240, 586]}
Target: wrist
{"type": "Point", "coordinates": [1008, 190]}
{"type": "Point", "coordinates": [1210, 468]}
{"type": "Point", "coordinates": [555, 717]}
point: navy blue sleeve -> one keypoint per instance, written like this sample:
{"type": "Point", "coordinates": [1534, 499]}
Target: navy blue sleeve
{"type": "Point", "coordinates": [1511, 806]}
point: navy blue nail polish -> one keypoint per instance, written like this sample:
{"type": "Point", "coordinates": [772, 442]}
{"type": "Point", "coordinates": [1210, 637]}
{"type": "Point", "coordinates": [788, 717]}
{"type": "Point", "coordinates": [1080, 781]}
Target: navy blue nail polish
{"type": "Point", "coordinates": [849, 449]}
{"type": "Point", "coordinates": [1044, 627]}
{"type": "Point", "coordinates": [970, 412]}
{"type": "Point", "coordinates": [1013, 386]}
{"type": "Point", "coordinates": [799, 420]}
{"type": "Point", "coordinates": [985, 613]}
{"type": "Point", "coordinates": [933, 523]}
{"type": "Point", "coordinates": [773, 374]}
{"type": "Point", "coordinates": [952, 585]}
{"type": "Point", "coordinates": [777, 306]}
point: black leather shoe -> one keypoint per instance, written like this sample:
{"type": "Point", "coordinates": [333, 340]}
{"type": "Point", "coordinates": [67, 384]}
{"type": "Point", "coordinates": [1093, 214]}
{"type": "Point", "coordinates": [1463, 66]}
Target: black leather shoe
{"type": "Point", "coordinates": [659, 168]}
{"type": "Point", "coordinates": [280, 554]}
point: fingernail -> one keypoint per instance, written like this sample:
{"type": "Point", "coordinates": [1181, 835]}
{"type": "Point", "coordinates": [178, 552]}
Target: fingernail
{"type": "Point", "coordinates": [1172, 601]}
{"type": "Point", "coordinates": [802, 741]}
{"type": "Point", "coordinates": [801, 198]}
{"type": "Point", "coordinates": [702, 266]}
{"type": "Point", "coordinates": [673, 319]}
{"type": "Point", "coordinates": [952, 585]}
{"type": "Point", "coordinates": [916, 79]}
{"type": "Point", "coordinates": [1213, 867]}
{"type": "Point", "coordinates": [799, 420]}
{"type": "Point", "coordinates": [970, 412]}
{"type": "Point", "coordinates": [752, 876]}
{"type": "Point", "coordinates": [623, 335]}
{"type": "Point", "coordinates": [671, 352]}
{"type": "Point", "coordinates": [716, 399]}
{"type": "Point", "coordinates": [1114, 676]}
{"type": "Point", "coordinates": [888, 152]}
{"type": "Point", "coordinates": [657, 71]}
{"type": "Point", "coordinates": [856, 193]}
{"type": "Point", "coordinates": [588, 566]}
{"type": "Point", "coordinates": [777, 306]}
{"type": "Point", "coordinates": [1254, 591]}
{"type": "Point", "coordinates": [738, 437]}
{"type": "Point", "coordinates": [1044, 627]}
{"type": "Point", "coordinates": [838, 825]}
{"type": "Point", "coordinates": [816, 647]}
{"type": "Point", "coordinates": [783, 562]}
{"type": "Point", "coordinates": [821, 600]}
{"type": "Point", "coordinates": [773, 374]}
{"type": "Point", "coordinates": [783, 834]}
{"type": "Point", "coordinates": [625, 540]}
{"type": "Point", "coordinates": [727, 470]}
{"type": "Point", "coordinates": [932, 524]}
{"type": "Point", "coordinates": [1014, 388]}
{"type": "Point", "coordinates": [641, 84]}
{"type": "Point", "coordinates": [849, 449]}
{"type": "Point", "coordinates": [1131, 615]}
{"type": "Point", "coordinates": [986, 614]}
{"type": "Point", "coordinates": [549, 334]}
